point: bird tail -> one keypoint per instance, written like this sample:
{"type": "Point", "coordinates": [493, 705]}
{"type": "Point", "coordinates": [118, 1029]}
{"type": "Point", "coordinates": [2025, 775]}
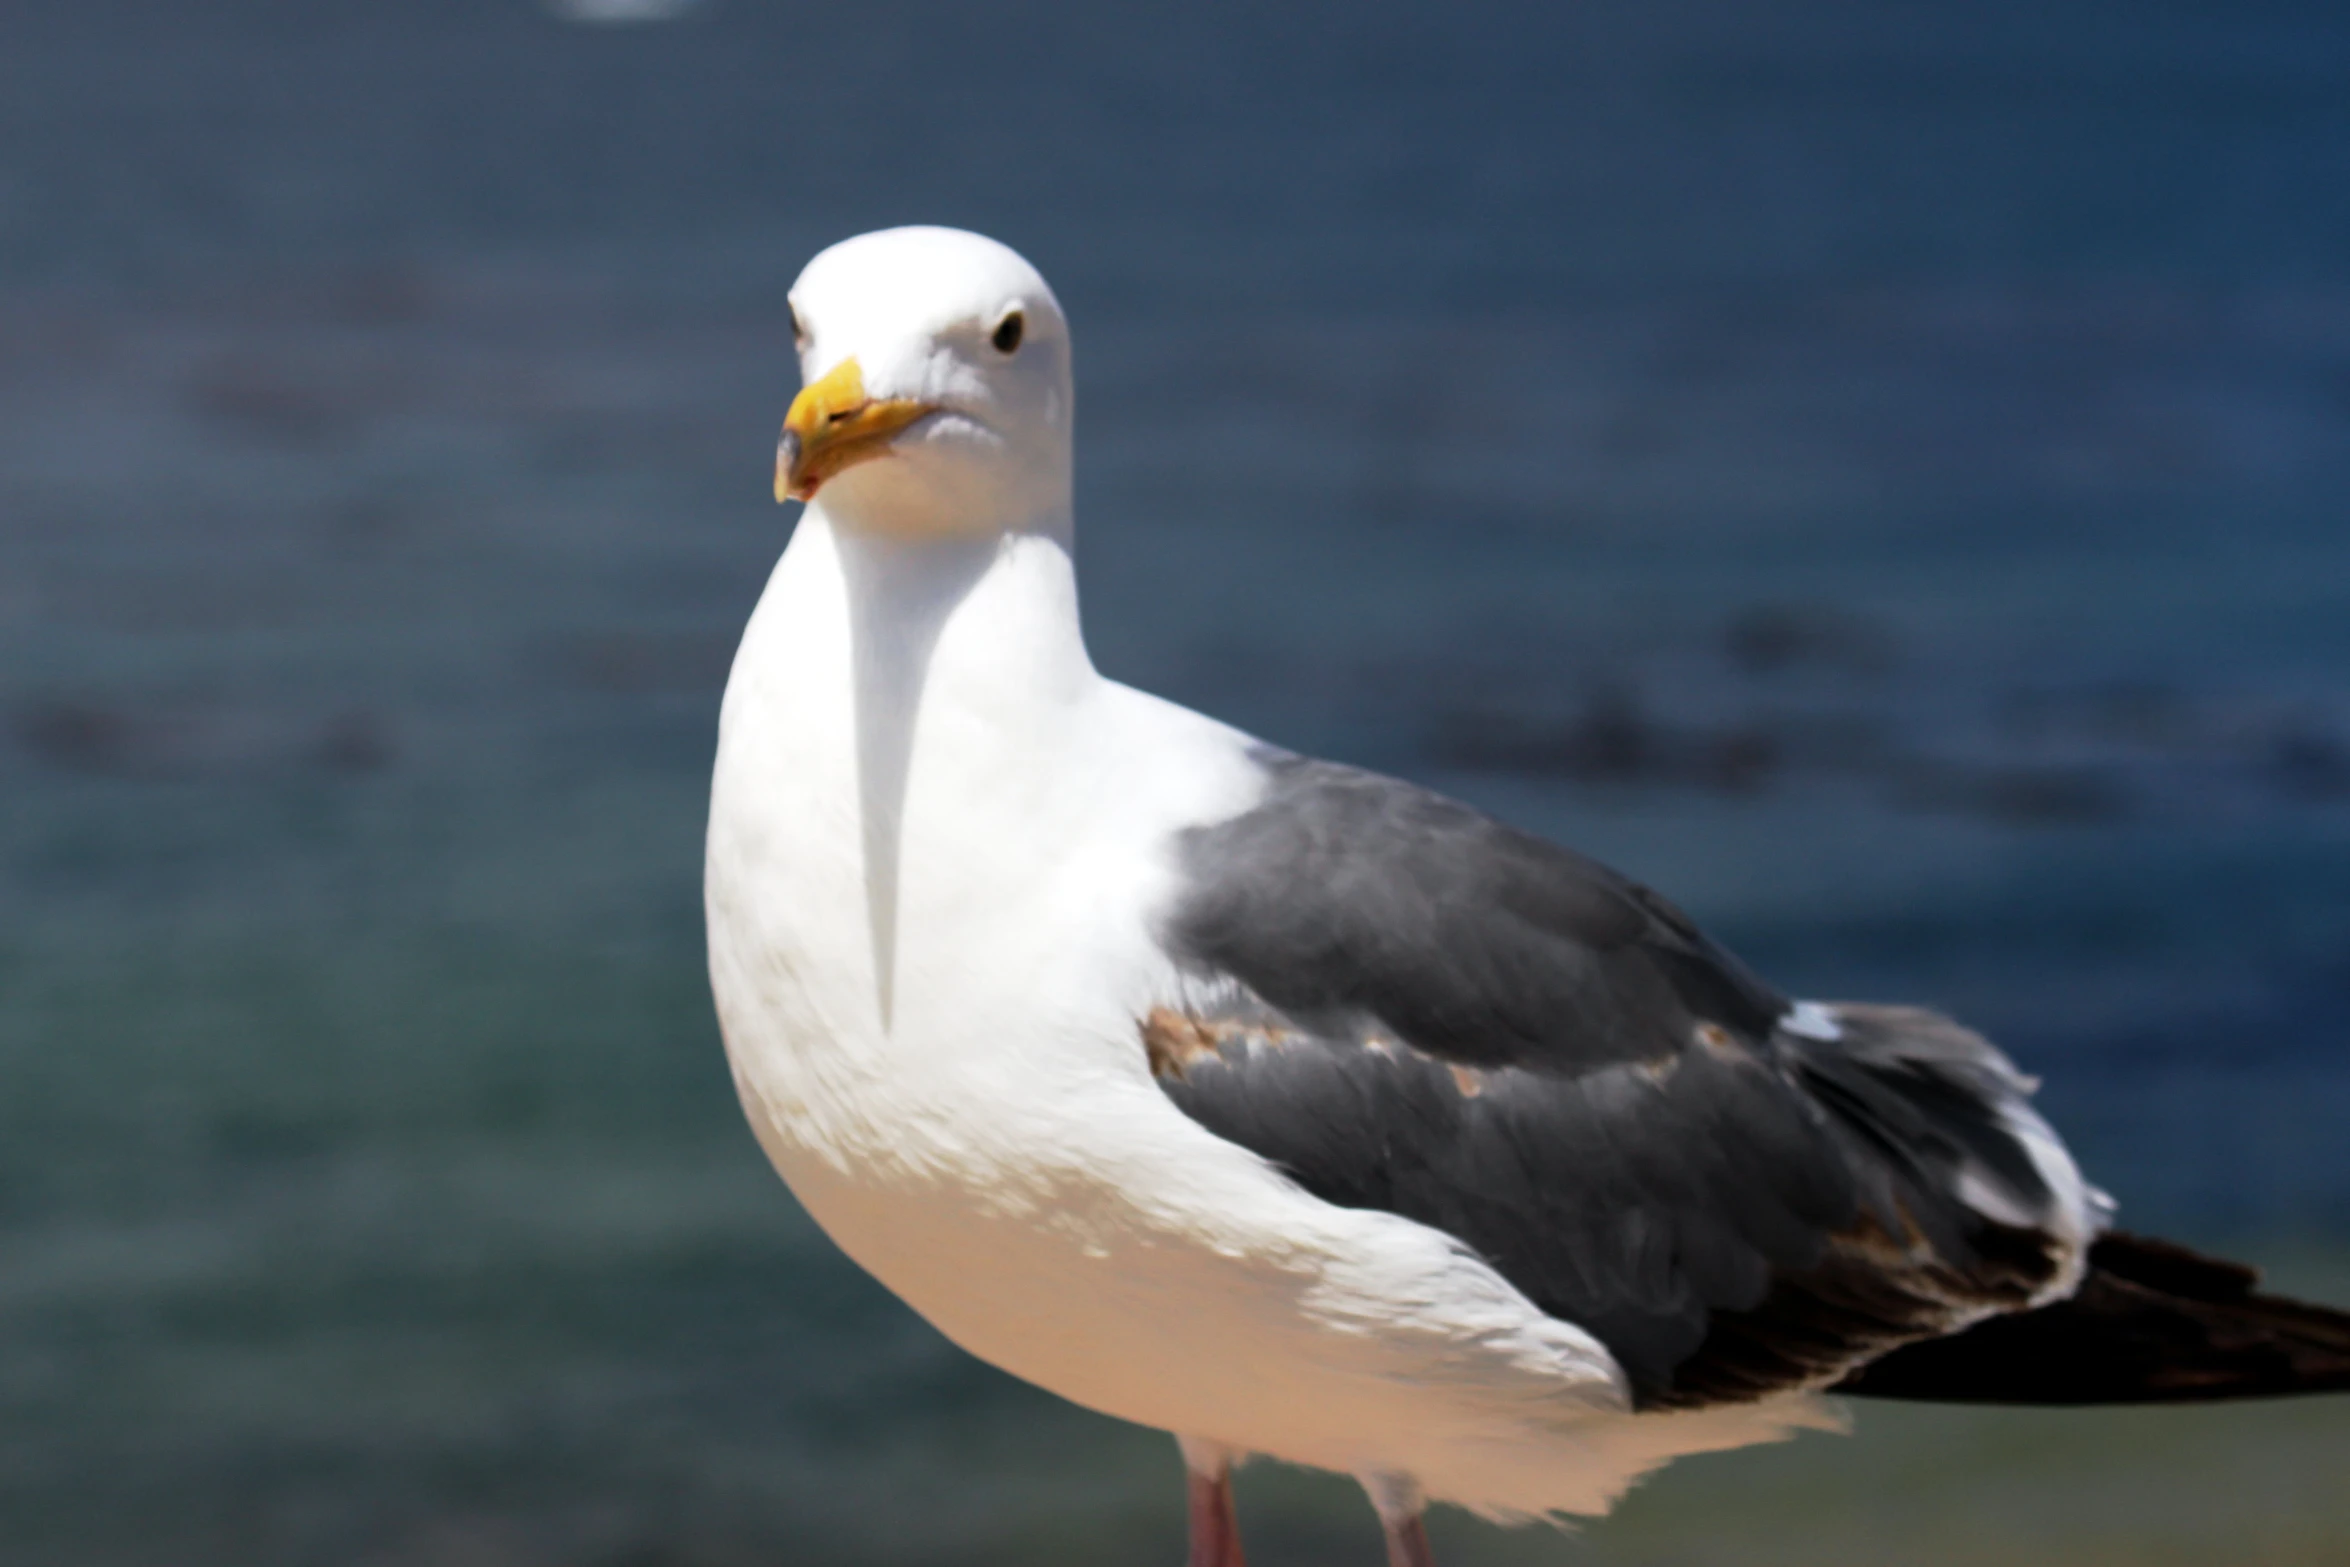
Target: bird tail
{"type": "Point", "coordinates": [2152, 1323]}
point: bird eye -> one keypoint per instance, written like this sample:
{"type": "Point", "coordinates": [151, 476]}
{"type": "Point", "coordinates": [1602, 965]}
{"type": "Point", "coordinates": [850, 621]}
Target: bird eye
{"type": "Point", "coordinates": [799, 333]}
{"type": "Point", "coordinates": [1007, 332]}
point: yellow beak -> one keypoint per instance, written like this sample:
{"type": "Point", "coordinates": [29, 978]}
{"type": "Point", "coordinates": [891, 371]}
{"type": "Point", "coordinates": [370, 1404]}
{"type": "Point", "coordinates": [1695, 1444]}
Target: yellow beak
{"type": "Point", "coordinates": [833, 425]}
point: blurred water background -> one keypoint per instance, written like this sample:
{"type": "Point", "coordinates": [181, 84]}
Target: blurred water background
{"type": "Point", "coordinates": [1873, 470]}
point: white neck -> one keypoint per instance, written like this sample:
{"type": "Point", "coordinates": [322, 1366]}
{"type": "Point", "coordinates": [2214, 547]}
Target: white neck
{"type": "Point", "coordinates": [964, 665]}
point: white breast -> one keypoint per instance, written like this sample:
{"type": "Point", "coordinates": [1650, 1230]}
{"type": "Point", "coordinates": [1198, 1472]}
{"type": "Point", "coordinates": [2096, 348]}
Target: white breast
{"type": "Point", "coordinates": [930, 924]}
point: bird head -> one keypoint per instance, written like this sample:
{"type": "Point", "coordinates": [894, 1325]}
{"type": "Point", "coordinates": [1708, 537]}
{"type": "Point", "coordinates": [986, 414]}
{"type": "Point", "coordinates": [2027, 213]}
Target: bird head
{"type": "Point", "coordinates": [936, 392]}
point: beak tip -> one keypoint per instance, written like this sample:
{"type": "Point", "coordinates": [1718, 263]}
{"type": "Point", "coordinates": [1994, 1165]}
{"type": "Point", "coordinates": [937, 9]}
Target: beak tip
{"type": "Point", "coordinates": [787, 463]}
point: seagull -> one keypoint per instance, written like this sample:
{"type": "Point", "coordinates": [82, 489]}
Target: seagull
{"type": "Point", "coordinates": [1299, 1111]}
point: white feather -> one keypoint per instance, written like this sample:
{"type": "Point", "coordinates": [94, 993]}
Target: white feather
{"type": "Point", "coordinates": [938, 840]}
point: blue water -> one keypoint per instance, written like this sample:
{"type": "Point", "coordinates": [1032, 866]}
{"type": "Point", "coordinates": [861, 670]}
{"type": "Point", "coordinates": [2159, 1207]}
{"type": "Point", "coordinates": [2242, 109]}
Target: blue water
{"type": "Point", "coordinates": [1875, 472]}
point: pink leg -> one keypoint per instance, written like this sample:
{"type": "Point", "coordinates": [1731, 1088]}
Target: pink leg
{"type": "Point", "coordinates": [1407, 1544]}
{"type": "Point", "coordinates": [1215, 1527]}
{"type": "Point", "coordinates": [1401, 1516]}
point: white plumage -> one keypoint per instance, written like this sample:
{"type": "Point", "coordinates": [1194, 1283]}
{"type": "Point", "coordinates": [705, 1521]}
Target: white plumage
{"type": "Point", "coordinates": [941, 855]}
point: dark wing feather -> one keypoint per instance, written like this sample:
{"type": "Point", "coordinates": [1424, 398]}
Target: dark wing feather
{"type": "Point", "coordinates": [1345, 892]}
{"type": "Point", "coordinates": [1410, 1007]}
{"type": "Point", "coordinates": [2153, 1323]}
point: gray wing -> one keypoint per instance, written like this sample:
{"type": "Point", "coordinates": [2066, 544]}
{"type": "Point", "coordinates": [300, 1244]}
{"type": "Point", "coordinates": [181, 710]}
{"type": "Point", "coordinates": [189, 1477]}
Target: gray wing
{"type": "Point", "coordinates": [1409, 1006]}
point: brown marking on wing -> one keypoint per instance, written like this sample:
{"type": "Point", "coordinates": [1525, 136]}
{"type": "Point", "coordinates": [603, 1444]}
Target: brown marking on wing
{"type": "Point", "coordinates": [1720, 1042]}
{"type": "Point", "coordinates": [1469, 1081]}
{"type": "Point", "coordinates": [1174, 1040]}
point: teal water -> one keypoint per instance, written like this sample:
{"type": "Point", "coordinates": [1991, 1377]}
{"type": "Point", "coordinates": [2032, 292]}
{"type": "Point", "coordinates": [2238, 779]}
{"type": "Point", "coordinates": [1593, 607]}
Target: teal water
{"type": "Point", "coordinates": [1873, 472]}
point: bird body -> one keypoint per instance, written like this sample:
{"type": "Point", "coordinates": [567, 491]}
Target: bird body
{"type": "Point", "coordinates": [1295, 1110]}
{"type": "Point", "coordinates": [987, 1138]}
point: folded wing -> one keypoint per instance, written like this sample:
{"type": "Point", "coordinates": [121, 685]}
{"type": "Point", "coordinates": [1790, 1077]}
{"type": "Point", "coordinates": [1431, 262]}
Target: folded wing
{"type": "Point", "coordinates": [1408, 1006]}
